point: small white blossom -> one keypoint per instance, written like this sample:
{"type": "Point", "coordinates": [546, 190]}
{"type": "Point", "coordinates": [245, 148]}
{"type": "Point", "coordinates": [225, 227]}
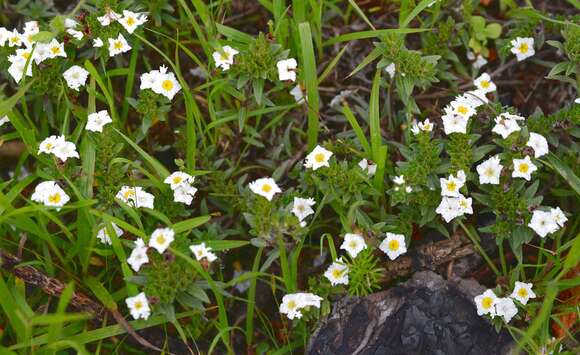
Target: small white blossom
{"type": "Point", "coordinates": [399, 180]}
{"type": "Point", "coordinates": [506, 124]}
{"type": "Point", "coordinates": [484, 83]}
{"type": "Point", "coordinates": [543, 223]}
{"type": "Point", "coordinates": [368, 166]}
{"type": "Point", "coordinates": [266, 187]}
{"type": "Point", "coordinates": [539, 144]}
{"type": "Point", "coordinates": [489, 171]}
{"type": "Point", "coordinates": [97, 120]}
{"type": "Point", "coordinates": [523, 292]}
{"type": "Point", "coordinates": [287, 69]}
{"type": "Point", "coordinates": [224, 58]}
{"type": "Point", "coordinates": [523, 168]}
{"type": "Point", "coordinates": [297, 93]}
{"type": "Point", "coordinates": [75, 77]}
{"type": "Point", "coordinates": [337, 273]}
{"type": "Point", "coordinates": [302, 207]}
{"type": "Point", "coordinates": [200, 251]}
{"type": "Point", "coordinates": [56, 49]}
{"type": "Point", "coordinates": [108, 17]}
{"type": "Point", "coordinates": [184, 194]}
{"type": "Point", "coordinates": [103, 234]}
{"type": "Point", "coordinates": [78, 35]}
{"type": "Point", "coordinates": [425, 126]}
{"type": "Point", "coordinates": [179, 178]}
{"type": "Point", "coordinates": [98, 42]}
{"type": "Point", "coordinates": [294, 302]}
{"type": "Point", "coordinates": [136, 197]}
{"type": "Point", "coordinates": [318, 158]}
{"type": "Point", "coordinates": [138, 306]}
{"type": "Point", "coordinates": [161, 238]}
{"type": "Point", "coordinates": [506, 308]}
{"type": "Point", "coordinates": [393, 245]}
{"type": "Point", "coordinates": [131, 20]}
{"type": "Point", "coordinates": [449, 208]}
{"type": "Point", "coordinates": [523, 47]}
{"type": "Point", "coordinates": [138, 255]}
{"type": "Point", "coordinates": [454, 123]}
{"type": "Point", "coordinates": [391, 69]}
{"type": "Point", "coordinates": [50, 194]}
{"type": "Point", "coordinates": [118, 45]}
{"type": "Point", "coordinates": [451, 185]}
{"type": "Point", "coordinates": [353, 244]}
{"type": "Point", "coordinates": [485, 303]}
{"type": "Point", "coordinates": [559, 216]}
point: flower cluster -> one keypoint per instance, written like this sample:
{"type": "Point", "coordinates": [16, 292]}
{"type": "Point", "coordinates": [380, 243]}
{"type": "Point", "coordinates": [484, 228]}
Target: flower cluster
{"type": "Point", "coordinates": [488, 302]}
{"type": "Point", "coordinates": [50, 194]}
{"type": "Point", "coordinates": [181, 184]}
{"type": "Point", "coordinates": [59, 147]}
{"type": "Point", "coordinates": [293, 304]}
{"type": "Point", "coordinates": [453, 203]}
{"type": "Point", "coordinates": [161, 82]}
{"type": "Point", "coordinates": [136, 197]}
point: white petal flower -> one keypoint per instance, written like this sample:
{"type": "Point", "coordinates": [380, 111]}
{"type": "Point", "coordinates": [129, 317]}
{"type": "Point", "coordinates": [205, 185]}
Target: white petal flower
{"type": "Point", "coordinates": [523, 168]}
{"type": "Point", "coordinates": [179, 178]}
{"type": "Point", "coordinates": [479, 62]}
{"type": "Point", "coordinates": [70, 23]}
{"type": "Point", "coordinates": [393, 245]}
{"type": "Point", "coordinates": [48, 144]}
{"type": "Point", "coordinates": [14, 39]}
{"type": "Point", "coordinates": [265, 187]}
{"type": "Point", "coordinates": [523, 292]}
{"type": "Point", "coordinates": [484, 83]}
{"type": "Point", "coordinates": [454, 123]}
{"type": "Point", "coordinates": [287, 69]}
{"type": "Point", "coordinates": [461, 107]}
{"type": "Point", "coordinates": [97, 120]}
{"type": "Point", "coordinates": [337, 273]}
{"type": "Point", "coordinates": [50, 194]}
{"type": "Point", "coordinates": [399, 180]}
{"type": "Point", "coordinates": [302, 207]}
{"type": "Point", "coordinates": [451, 185]}
{"type": "Point", "coordinates": [464, 204]}
{"type": "Point", "coordinates": [56, 49]}
{"type": "Point", "coordinates": [75, 77]}
{"type": "Point", "coordinates": [78, 35]}
{"type": "Point", "coordinates": [353, 244]}
{"type": "Point", "coordinates": [294, 302]}
{"type": "Point", "coordinates": [559, 216]}
{"type": "Point", "coordinates": [131, 20]}
{"type": "Point", "coordinates": [485, 303]}
{"type": "Point", "coordinates": [161, 238]}
{"type": "Point", "coordinates": [108, 17]}
{"type": "Point", "coordinates": [523, 47]}
{"type": "Point", "coordinates": [200, 251]}
{"type": "Point", "coordinates": [65, 150]}
{"type": "Point", "coordinates": [506, 124]}
{"type": "Point", "coordinates": [368, 166]}
{"type": "Point", "coordinates": [425, 126]}
{"type": "Point", "coordinates": [449, 208]}
{"type": "Point", "coordinates": [539, 144]}
{"type": "Point", "coordinates": [489, 171]}
{"type": "Point", "coordinates": [138, 306]}
{"type": "Point", "coordinates": [506, 308]}
{"type": "Point", "coordinates": [391, 70]}
{"type": "Point", "coordinates": [318, 158]}
{"type": "Point", "coordinates": [4, 120]}
{"type": "Point", "coordinates": [136, 197]}
{"type": "Point", "coordinates": [298, 95]}
{"type": "Point", "coordinates": [475, 98]}
{"type": "Point", "coordinates": [184, 194]}
{"type": "Point", "coordinates": [98, 42]}
{"type": "Point", "coordinates": [166, 84]}
{"type": "Point", "coordinates": [543, 223]}
{"type": "Point", "coordinates": [118, 45]}
{"type": "Point", "coordinates": [224, 58]}
{"type": "Point", "coordinates": [138, 255]}
{"type": "Point", "coordinates": [103, 234]}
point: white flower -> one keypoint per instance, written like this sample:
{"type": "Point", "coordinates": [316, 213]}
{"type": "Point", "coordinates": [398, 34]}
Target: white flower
{"type": "Point", "coordinates": [184, 194]}
{"type": "Point", "coordinates": [475, 98]}
{"type": "Point", "coordinates": [489, 171]}
{"type": "Point", "coordinates": [302, 207]}
{"type": "Point", "coordinates": [166, 84]}
{"type": "Point", "coordinates": [98, 42]}
{"type": "Point", "coordinates": [265, 187]}
{"type": "Point", "coordinates": [75, 77]}
{"type": "Point", "coordinates": [78, 35]}
{"type": "Point", "coordinates": [368, 166]}
{"type": "Point", "coordinates": [523, 168]}
{"type": "Point", "coordinates": [399, 180]}
{"type": "Point", "coordinates": [543, 223]}
{"type": "Point", "coordinates": [287, 69]}
{"type": "Point", "coordinates": [4, 120]}
{"type": "Point", "coordinates": [506, 124]}
{"type": "Point", "coordinates": [179, 178]}
{"type": "Point", "coordinates": [559, 216]}
{"type": "Point", "coordinates": [391, 69]}
{"type": "Point", "coordinates": [297, 93]}
{"type": "Point", "coordinates": [461, 107]}
{"type": "Point", "coordinates": [425, 126]}
{"type": "Point", "coordinates": [224, 58]}
{"type": "Point", "coordinates": [539, 144]}
{"type": "Point", "coordinates": [135, 197]}
{"type": "Point", "coordinates": [408, 189]}
{"type": "Point", "coordinates": [294, 302]}
{"type": "Point", "coordinates": [484, 83]}
{"type": "Point", "coordinates": [118, 45]}
{"type": "Point", "coordinates": [415, 128]}
{"type": "Point", "coordinates": [454, 124]}
{"type": "Point", "coordinates": [103, 234]}
{"type": "Point", "coordinates": [30, 29]}
{"type": "Point", "coordinates": [464, 204]}
{"type": "Point", "coordinates": [201, 251]}
{"type": "Point", "coordinates": [16, 69]}
{"type": "Point", "coordinates": [337, 100]}
{"type": "Point", "coordinates": [451, 185]}
{"type": "Point", "coordinates": [393, 245]}
{"type": "Point", "coordinates": [138, 306]}
{"type": "Point", "coordinates": [50, 194]}
{"type": "Point", "coordinates": [149, 79]}
{"type": "Point", "coordinates": [97, 120]}
{"type": "Point", "coordinates": [523, 47]}
{"type": "Point", "coordinates": [523, 292]}
{"type": "Point", "coordinates": [337, 273]}
{"type": "Point", "coordinates": [353, 244]}
{"type": "Point", "coordinates": [506, 308]}
{"type": "Point", "coordinates": [108, 17]}
{"type": "Point", "coordinates": [577, 100]}
{"type": "Point", "coordinates": [65, 150]}
{"type": "Point", "coordinates": [138, 255]}
{"type": "Point", "coordinates": [70, 23]}
{"type": "Point", "coordinates": [449, 208]}
{"type": "Point", "coordinates": [14, 39]}
{"type": "Point", "coordinates": [56, 49]}
{"type": "Point", "coordinates": [48, 144]}
{"type": "Point", "coordinates": [4, 36]}
{"type": "Point", "coordinates": [318, 158]}
{"type": "Point", "coordinates": [161, 238]}
{"type": "Point", "coordinates": [131, 20]}
{"type": "Point", "coordinates": [485, 303]}
{"type": "Point", "coordinates": [480, 61]}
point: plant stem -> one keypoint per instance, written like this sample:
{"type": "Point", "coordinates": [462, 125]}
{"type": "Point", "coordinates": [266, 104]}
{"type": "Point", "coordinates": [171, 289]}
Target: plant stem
{"type": "Point", "coordinates": [475, 241]}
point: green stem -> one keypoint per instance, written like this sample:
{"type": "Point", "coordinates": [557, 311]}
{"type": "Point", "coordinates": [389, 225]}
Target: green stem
{"type": "Point", "coordinates": [286, 275]}
{"type": "Point", "coordinates": [502, 259]}
{"type": "Point", "coordinates": [475, 241]}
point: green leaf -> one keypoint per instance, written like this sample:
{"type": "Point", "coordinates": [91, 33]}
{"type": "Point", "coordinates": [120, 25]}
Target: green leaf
{"type": "Point", "coordinates": [477, 23]}
{"type": "Point", "coordinates": [156, 165]}
{"type": "Point", "coordinates": [311, 82]}
{"type": "Point", "coordinates": [101, 293]}
{"type": "Point", "coordinates": [372, 34]}
{"type": "Point", "coordinates": [493, 30]}
{"type": "Point", "coordinates": [189, 224]}
{"type": "Point", "coordinates": [564, 171]}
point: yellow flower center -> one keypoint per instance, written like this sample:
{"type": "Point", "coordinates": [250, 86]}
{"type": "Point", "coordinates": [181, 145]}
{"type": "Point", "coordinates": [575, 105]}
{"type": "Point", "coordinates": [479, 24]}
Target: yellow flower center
{"type": "Point", "coordinates": [291, 304]}
{"type": "Point", "coordinates": [14, 39]}
{"type": "Point", "coordinates": [26, 55]}
{"type": "Point", "coordinates": [462, 110]}
{"type": "Point", "coordinates": [138, 305]}
{"type": "Point", "coordinates": [161, 239]}
{"type": "Point", "coordinates": [177, 179]}
{"type": "Point", "coordinates": [167, 85]}
{"type": "Point", "coordinates": [484, 84]}
{"type": "Point", "coordinates": [489, 172]}
{"type": "Point", "coordinates": [224, 56]}
{"type": "Point", "coordinates": [523, 168]}
{"type": "Point", "coordinates": [55, 50]}
{"type": "Point", "coordinates": [75, 75]}
{"type": "Point", "coordinates": [128, 194]}
{"type": "Point", "coordinates": [394, 245]}
{"type": "Point", "coordinates": [451, 186]}
{"type": "Point", "coordinates": [523, 48]}
{"type": "Point", "coordinates": [55, 198]}
{"type": "Point", "coordinates": [300, 208]}
{"type": "Point", "coordinates": [130, 21]}
{"type": "Point", "coordinates": [319, 157]}
{"type": "Point", "coordinates": [336, 273]}
{"type": "Point", "coordinates": [266, 188]}
{"type": "Point", "coordinates": [487, 302]}
{"type": "Point", "coordinates": [118, 45]}
{"type": "Point", "coordinates": [522, 292]}
{"type": "Point", "coordinates": [352, 244]}
{"type": "Point", "coordinates": [463, 203]}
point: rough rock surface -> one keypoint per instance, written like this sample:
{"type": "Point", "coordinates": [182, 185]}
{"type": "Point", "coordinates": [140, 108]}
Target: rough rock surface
{"type": "Point", "coordinates": [425, 315]}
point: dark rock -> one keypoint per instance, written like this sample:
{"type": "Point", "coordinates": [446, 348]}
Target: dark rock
{"type": "Point", "coordinates": [425, 315]}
